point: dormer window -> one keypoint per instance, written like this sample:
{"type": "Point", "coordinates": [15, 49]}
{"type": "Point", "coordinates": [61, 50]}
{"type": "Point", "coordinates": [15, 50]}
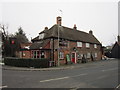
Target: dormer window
{"type": "Point", "coordinates": [41, 36]}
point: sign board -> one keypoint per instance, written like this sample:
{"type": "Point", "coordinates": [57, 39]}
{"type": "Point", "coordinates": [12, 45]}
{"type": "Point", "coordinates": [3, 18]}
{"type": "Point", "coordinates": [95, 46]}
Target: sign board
{"type": "Point", "coordinates": [68, 57]}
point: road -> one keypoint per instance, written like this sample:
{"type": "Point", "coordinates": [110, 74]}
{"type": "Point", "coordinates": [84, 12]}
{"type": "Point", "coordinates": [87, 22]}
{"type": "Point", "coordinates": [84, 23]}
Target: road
{"type": "Point", "coordinates": [100, 74]}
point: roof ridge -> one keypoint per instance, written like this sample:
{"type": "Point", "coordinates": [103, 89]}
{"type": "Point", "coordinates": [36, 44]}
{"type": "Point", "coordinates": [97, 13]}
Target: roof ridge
{"type": "Point", "coordinates": [70, 34]}
{"type": "Point", "coordinates": [74, 29]}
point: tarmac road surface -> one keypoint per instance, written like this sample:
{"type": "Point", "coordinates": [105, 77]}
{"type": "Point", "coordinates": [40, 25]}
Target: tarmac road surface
{"type": "Point", "coordinates": [100, 74]}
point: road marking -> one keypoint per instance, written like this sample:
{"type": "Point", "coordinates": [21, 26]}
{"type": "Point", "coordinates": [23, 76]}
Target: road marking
{"type": "Point", "coordinates": [101, 77]}
{"type": "Point", "coordinates": [54, 79]}
{"type": "Point", "coordinates": [62, 78]}
{"type": "Point", "coordinates": [110, 69]}
{"type": "Point", "coordinates": [3, 86]}
{"type": "Point", "coordinates": [79, 75]}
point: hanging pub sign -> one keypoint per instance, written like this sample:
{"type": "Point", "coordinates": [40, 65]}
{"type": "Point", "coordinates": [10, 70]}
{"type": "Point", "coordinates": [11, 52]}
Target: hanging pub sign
{"type": "Point", "coordinates": [12, 40]}
{"type": "Point", "coordinates": [63, 43]}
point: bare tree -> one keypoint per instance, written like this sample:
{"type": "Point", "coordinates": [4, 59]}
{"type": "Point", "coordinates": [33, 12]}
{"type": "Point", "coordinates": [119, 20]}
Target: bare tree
{"type": "Point", "coordinates": [4, 36]}
{"type": "Point", "coordinates": [4, 28]}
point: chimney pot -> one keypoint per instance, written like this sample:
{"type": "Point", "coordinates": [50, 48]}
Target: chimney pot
{"type": "Point", "coordinates": [91, 32]}
{"type": "Point", "coordinates": [46, 28]}
{"type": "Point", "coordinates": [75, 27]}
{"type": "Point", "coordinates": [59, 20]}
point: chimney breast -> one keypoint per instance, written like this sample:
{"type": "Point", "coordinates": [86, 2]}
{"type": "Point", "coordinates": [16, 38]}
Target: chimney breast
{"type": "Point", "coordinates": [91, 32]}
{"type": "Point", "coordinates": [59, 20]}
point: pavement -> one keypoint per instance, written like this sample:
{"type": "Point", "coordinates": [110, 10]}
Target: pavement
{"type": "Point", "coordinates": [63, 67]}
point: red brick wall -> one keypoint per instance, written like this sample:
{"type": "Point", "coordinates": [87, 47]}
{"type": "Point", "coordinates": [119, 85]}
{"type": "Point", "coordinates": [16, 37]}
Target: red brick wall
{"type": "Point", "coordinates": [25, 54]}
{"type": "Point", "coordinates": [82, 50]}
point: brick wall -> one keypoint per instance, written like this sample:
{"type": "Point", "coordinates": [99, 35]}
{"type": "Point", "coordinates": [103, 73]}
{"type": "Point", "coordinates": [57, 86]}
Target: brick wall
{"type": "Point", "coordinates": [24, 54]}
{"type": "Point", "coordinates": [72, 47]}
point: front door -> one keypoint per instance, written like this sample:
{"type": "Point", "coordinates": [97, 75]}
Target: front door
{"type": "Point", "coordinates": [74, 57]}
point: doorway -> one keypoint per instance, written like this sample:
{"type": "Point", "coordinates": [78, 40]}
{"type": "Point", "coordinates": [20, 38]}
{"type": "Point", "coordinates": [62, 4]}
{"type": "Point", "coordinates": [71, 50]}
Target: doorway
{"type": "Point", "coordinates": [74, 57]}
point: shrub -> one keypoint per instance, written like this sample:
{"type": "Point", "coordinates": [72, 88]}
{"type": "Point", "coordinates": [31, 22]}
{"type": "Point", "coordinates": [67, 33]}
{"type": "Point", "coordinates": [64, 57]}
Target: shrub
{"type": "Point", "coordinates": [20, 62]}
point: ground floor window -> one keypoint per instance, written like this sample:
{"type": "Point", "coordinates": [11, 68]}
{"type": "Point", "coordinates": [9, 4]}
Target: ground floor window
{"type": "Point", "coordinates": [88, 55]}
{"type": "Point", "coordinates": [61, 55]}
{"type": "Point", "coordinates": [42, 54]}
{"type": "Point", "coordinates": [35, 54]}
{"type": "Point", "coordinates": [79, 56]}
{"type": "Point", "coordinates": [95, 55]}
{"type": "Point", "coordinates": [38, 54]}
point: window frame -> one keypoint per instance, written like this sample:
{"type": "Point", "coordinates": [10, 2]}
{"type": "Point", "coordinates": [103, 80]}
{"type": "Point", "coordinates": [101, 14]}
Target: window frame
{"type": "Point", "coordinates": [96, 55]}
{"type": "Point", "coordinates": [95, 45]}
{"type": "Point", "coordinates": [79, 44]}
{"type": "Point", "coordinates": [35, 54]}
{"type": "Point", "coordinates": [41, 36]}
{"type": "Point", "coordinates": [42, 52]}
{"type": "Point", "coordinates": [61, 55]}
{"type": "Point", "coordinates": [88, 55]}
{"type": "Point", "coordinates": [79, 55]}
{"type": "Point", "coordinates": [87, 45]}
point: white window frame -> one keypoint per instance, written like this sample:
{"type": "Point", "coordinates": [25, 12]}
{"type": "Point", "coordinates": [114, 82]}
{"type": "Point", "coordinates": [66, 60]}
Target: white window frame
{"type": "Point", "coordinates": [42, 53]}
{"type": "Point", "coordinates": [41, 36]}
{"type": "Point", "coordinates": [61, 55]}
{"type": "Point", "coordinates": [87, 45]}
{"type": "Point", "coordinates": [88, 55]}
{"type": "Point", "coordinates": [95, 45]}
{"type": "Point", "coordinates": [95, 55]}
{"type": "Point", "coordinates": [35, 54]}
{"type": "Point", "coordinates": [79, 44]}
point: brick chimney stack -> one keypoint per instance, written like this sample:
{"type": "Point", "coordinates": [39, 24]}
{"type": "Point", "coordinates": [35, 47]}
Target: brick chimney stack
{"type": "Point", "coordinates": [91, 32]}
{"type": "Point", "coordinates": [59, 20]}
{"type": "Point", "coordinates": [75, 27]}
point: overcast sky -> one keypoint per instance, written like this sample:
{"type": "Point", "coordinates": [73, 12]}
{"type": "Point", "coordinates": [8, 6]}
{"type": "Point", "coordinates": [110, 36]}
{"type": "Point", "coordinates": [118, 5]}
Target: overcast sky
{"type": "Point", "coordinates": [99, 16]}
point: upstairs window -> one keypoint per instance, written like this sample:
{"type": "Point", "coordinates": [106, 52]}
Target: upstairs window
{"type": "Point", "coordinates": [79, 44]}
{"type": "Point", "coordinates": [95, 45]}
{"type": "Point", "coordinates": [41, 36]}
{"type": "Point", "coordinates": [63, 43]}
{"type": "Point", "coordinates": [87, 45]}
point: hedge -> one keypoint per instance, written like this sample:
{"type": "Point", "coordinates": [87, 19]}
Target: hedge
{"type": "Point", "coordinates": [20, 62]}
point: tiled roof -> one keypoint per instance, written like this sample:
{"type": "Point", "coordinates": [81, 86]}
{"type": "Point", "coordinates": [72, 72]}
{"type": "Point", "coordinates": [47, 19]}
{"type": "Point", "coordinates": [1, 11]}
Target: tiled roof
{"type": "Point", "coordinates": [39, 45]}
{"type": "Point", "coordinates": [69, 34]}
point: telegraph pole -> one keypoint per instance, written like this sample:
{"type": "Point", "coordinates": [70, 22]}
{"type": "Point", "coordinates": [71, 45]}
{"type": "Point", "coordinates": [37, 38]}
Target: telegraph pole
{"type": "Point", "coordinates": [58, 47]}
{"type": "Point", "coordinates": [58, 40]}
